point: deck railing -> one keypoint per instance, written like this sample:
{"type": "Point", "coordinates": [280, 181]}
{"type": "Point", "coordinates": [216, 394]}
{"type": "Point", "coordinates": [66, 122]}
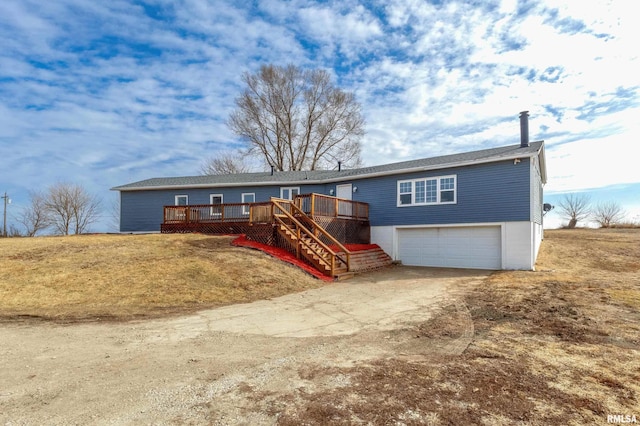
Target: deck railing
{"type": "Point", "coordinates": [232, 212]}
{"type": "Point", "coordinates": [315, 205]}
{"type": "Point", "coordinates": [323, 205]}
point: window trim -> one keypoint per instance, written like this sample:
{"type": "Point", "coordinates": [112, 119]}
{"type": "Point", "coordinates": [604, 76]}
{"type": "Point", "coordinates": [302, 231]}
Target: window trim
{"type": "Point", "coordinates": [245, 209]}
{"type": "Point", "coordinates": [213, 212]}
{"type": "Point", "coordinates": [186, 197]}
{"type": "Point", "coordinates": [290, 188]}
{"type": "Point", "coordinates": [439, 190]}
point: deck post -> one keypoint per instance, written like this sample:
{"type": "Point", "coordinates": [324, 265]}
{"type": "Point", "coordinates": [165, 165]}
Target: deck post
{"type": "Point", "coordinates": [312, 212]}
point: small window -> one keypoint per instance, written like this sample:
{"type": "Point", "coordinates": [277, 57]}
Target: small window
{"type": "Point", "coordinates": [289, 193]}
{"type": "Point", "coordinates": [182, 200]}
{"type": "Point", "coordinates": [248, 198]}
{"type": "Point", "coordinates": [447, 190]}
{"type": "Point", "coordinates": [405, 192]}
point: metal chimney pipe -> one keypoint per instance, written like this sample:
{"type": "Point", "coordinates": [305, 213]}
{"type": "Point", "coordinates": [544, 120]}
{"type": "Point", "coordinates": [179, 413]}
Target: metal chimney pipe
{"type": "Point", "coordinates": [339, 165]}
{"type": "Point", "coordinates": [524, 129]}
{"type": "Point", "coordinates": [272, 170]}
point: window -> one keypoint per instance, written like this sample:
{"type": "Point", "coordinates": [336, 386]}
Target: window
{"type": "Point", "coordinates": [248, 198]}
{"type": "Point", "coordinates": [182, 200]}
{"type": "Point", "coordinates": [424, 191]}
{"type": "Point", "coordinates": [447, 190]}
{"type": "Point", "coordinates": [404, 193]}
{"type": "Point", "coordinates": [215, 199]}
{"type": "Point", "coordinates": [289, 193]}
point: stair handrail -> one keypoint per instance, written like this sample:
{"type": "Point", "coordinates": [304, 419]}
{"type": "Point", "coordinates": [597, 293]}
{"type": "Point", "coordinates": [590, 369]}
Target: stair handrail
{"type": "Point", "coordinates": [314, 238]}
{"type": "Point", "coordinates": [300, 227]}
{"type": "Point", "coordinates": [325, 233]}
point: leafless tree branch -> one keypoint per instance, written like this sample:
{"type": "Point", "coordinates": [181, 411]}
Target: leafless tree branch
{"type": "Point", "coordinates": [71, 208]}
{"type": "Point", "coordinates": [225, 163]}
{"type": "Point", "coordinates": [606, 214]}
{"type": "Point", "coordinates": [575, 208]}
{"type": "Point", "coordinates": [35, 217]}
{"type": "Point", "coordinates": [296, 119]}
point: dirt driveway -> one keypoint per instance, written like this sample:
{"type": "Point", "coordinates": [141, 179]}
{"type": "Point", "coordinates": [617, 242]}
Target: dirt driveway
{"type": "Point", "coordinates": [231, 365]}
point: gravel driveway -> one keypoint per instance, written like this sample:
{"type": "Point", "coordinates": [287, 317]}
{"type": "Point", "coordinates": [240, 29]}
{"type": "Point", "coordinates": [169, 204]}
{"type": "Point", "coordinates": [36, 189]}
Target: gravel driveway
{"type": "Point", "coordinates": [221, 366]}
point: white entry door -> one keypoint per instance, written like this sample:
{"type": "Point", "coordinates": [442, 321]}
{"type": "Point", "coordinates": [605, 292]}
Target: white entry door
{"type": "Point", "coordinates": [345, 192]}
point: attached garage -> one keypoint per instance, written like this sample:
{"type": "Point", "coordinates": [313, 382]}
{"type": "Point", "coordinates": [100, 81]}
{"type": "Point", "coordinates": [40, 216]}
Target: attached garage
{"type": "Point", "coordinates": [476, 247]}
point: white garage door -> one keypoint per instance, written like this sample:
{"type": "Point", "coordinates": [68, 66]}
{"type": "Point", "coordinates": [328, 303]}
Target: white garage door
{"type": "Point", "coordinates": [464, 247]}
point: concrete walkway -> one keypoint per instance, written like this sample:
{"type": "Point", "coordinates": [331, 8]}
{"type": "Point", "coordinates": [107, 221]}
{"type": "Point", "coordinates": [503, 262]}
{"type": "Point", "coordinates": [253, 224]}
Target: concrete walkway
{"type": "Point", "coordinates": [373, 301]}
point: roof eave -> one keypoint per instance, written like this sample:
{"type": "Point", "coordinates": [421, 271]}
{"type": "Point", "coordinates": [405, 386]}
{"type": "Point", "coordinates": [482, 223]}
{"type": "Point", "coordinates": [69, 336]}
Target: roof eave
{"type": "Point", "coordinates": [512, 156]}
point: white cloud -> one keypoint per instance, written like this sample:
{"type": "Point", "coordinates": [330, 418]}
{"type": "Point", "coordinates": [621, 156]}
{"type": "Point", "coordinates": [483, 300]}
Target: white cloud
{"type": "Point", "coordinates": [111, 92]}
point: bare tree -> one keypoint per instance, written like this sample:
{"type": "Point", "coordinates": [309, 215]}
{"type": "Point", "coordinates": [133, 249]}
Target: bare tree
{"type": "Point", "coordinates": [35, 217]}
{"type": "Point", "coordinates": [295, 119]}
{"type": "Point", "coordinates": [575, 208]}
{"type": "Point", "coordinates": [114, 214]}
{"type": "Point", "coordinates": [71, 208]}
{"type": "Point", "coordinates": [225, 163]}
{"type": "Point", "coordinates": [606, 214]}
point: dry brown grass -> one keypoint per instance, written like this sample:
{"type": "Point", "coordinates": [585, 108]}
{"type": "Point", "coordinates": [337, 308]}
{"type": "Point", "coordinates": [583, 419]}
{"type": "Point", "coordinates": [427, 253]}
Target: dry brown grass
{"type": "Point", "coordinates": [556, 346]}
{"type": "Point", "coordinates": [132, 276]}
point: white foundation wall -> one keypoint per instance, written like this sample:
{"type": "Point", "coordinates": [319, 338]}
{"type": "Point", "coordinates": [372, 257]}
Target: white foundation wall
{"type": "Point", "coordinates": [385, 237]}
{"type": "Point", "coordinates": [520, 242]}
{"type": "Point", "coordinates": [518, 245]}
{"type": "Point", "coordinates": [538, 232]}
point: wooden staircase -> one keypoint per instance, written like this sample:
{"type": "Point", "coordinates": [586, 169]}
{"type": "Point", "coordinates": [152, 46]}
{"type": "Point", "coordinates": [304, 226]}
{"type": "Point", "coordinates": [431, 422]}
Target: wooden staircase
{"type": "Point", "coordinates": [306, 237]}
{"type": "Point", "coordinates": [369, 260]}
{"type": "Point", "coordinates": [304, 234]}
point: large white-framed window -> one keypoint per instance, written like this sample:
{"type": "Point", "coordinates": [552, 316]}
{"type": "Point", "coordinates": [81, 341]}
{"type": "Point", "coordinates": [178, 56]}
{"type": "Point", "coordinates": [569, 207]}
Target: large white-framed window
{"type": "Point", "coordinates": [247, 197]}
{"type": "Point", "coordinates": [182, 200]}
{"type": "Point", "coordinates": [215, 199]}
{"type": "Point", "coordinates": [288, 193]}
{"type": "Point", "coordinates": [427, 191]}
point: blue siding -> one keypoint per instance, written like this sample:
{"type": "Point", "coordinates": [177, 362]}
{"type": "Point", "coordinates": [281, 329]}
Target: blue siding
{"type": "Point", "coordinates": [141, 211]}
{"type": "Point", "coordinates": [493, 192]}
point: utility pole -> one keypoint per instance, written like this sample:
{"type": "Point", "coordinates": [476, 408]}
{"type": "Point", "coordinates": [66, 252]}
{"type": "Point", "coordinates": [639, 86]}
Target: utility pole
{"type": "Point", "coordinates": [7, 200]}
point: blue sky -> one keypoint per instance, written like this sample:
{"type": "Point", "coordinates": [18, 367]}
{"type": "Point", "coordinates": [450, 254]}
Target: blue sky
{"type": "Point", "coordinates": [107, 93]}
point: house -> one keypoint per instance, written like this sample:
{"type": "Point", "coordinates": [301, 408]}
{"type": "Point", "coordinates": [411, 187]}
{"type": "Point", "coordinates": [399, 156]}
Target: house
{"type": "Point", "coordinates": [480, 209]}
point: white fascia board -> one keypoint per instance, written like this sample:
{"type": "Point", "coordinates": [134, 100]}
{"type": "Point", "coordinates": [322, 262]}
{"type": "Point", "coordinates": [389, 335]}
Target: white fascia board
{"type": "Point", "coordinates": [543, 163]}
{"type": "Point", "coordinates": [334, 180]}
{"type": "Point", "coordinates": [216, 185]}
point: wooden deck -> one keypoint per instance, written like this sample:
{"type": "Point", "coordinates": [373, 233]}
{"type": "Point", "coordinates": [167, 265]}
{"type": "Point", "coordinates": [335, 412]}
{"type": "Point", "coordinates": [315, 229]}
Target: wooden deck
{"type": "Point", "coordinates": [308, 226]}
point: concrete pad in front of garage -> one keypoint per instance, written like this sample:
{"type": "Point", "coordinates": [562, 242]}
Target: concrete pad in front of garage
{"type": "Point", "coordinates": [373, 301]}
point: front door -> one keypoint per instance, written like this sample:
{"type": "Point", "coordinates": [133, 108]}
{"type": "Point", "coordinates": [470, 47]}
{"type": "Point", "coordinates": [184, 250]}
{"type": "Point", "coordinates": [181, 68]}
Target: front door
{"type": "Point", "coordinates": [344, 192]}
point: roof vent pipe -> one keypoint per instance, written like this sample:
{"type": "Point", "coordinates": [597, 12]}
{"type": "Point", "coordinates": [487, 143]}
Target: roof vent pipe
{"type": "Point", "coordinates": [271, 170]}
{"type": "Point", "coordinates": [339, 166]}
{"type": "Point", "coordinates": [524, 129]}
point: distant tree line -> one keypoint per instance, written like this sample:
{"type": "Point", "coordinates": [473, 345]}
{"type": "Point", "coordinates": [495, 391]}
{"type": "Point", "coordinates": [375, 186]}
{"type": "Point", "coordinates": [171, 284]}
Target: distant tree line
{"type": "Point", "coordinates": [577, 208]}
{"type": "Point", "coordinates": [61, 209]}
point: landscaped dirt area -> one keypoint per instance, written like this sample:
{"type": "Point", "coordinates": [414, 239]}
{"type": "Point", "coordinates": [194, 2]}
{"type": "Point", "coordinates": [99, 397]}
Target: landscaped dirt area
{"type": "Point", "coordinates": [401, 346]}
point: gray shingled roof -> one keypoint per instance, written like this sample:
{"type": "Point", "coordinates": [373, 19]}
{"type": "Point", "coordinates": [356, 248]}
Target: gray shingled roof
{"type": "Point", "coordinates": [322, 176]}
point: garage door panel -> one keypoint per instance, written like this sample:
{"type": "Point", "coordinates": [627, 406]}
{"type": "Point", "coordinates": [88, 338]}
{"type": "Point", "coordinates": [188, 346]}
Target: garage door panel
{"type": "Point", "coordinates": [459, 247]}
